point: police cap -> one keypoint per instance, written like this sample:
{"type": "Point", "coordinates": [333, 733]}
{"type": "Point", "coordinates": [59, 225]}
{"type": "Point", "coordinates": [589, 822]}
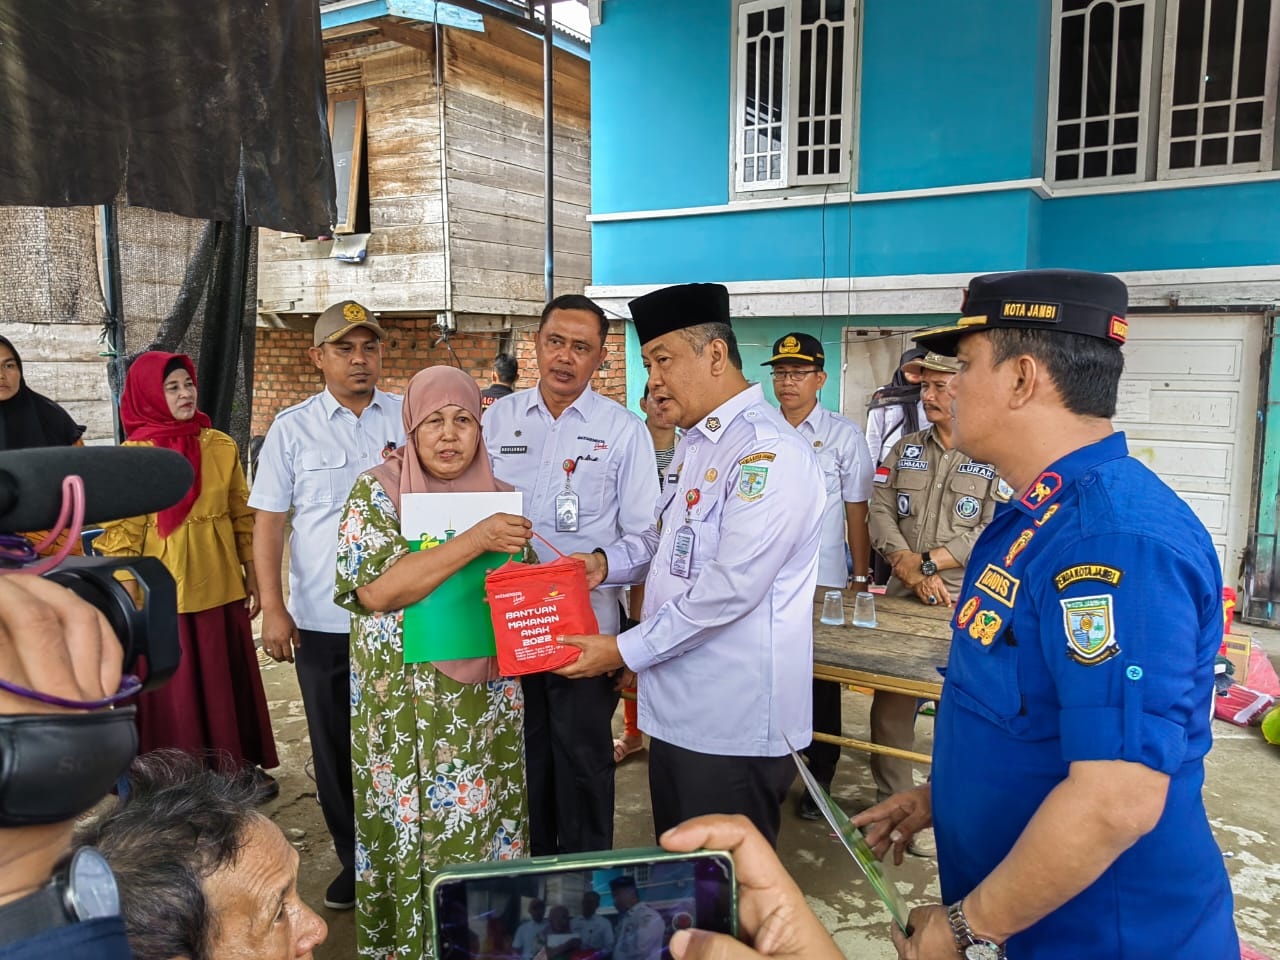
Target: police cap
{"type": "Point", "coordinates": [1061, 301]}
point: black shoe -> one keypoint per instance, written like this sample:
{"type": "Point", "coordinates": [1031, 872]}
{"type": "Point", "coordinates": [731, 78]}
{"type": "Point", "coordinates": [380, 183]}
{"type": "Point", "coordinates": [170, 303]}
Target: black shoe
{"type": "Point", "coordinates": [341, 894]}
{"type": "Point", "coordinates": [807, 809]}
{"type": "Point", "coordinates": [268, 786]}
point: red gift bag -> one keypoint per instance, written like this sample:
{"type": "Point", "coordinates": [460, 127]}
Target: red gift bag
{"type": "Point", "coordinates": [531, 605]}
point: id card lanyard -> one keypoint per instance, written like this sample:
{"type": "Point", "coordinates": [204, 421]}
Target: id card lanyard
{"type": "Point", "coordinates": [567, 502]}
{"type": "Point", "coordinates": [685, 540]}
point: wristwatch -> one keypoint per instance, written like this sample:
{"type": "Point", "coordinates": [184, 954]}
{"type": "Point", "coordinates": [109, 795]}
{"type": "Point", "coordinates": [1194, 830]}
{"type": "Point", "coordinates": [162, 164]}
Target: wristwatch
{"type": "Point", "coordinates": [82, 888]}
{"type": "Point", "coordinates": [927, 566]}
{"type": "Point", "coordinates": [971, 947]}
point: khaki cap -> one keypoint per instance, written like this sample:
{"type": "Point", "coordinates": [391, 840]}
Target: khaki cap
{"type": "Point", "coordinates": [340, 319]}
{"type": "Point", "coordinates": [939, 363]}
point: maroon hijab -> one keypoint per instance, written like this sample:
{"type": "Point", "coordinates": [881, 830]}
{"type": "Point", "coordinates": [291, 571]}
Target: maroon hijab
{"type": "Point", "coordinates": [431, 390]}
{"type": "Point", "coordinates": [144, 411]}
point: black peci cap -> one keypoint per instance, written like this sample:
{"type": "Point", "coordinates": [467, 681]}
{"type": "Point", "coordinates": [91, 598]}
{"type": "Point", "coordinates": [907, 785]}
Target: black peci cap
{"type": "Point", "coordinates": [796, 346]}
{"type": "Point", "coordinates": [675, 308]}
{"type": "Point", "coordinates": [1062, 301]}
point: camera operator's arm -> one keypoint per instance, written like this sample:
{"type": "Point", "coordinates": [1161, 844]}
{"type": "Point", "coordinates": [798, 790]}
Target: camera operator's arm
{"type": "Point", "coordinates": [52, 642]}
{"type": "Point", "coordinates": [279, 632]}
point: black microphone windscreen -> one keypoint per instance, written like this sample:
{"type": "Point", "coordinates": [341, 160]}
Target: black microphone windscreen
{"type": "Point", "coordinates": [118, 482]}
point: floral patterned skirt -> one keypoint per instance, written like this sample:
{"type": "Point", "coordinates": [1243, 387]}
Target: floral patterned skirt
{"type": "Point", "coordinates": [438, 771]}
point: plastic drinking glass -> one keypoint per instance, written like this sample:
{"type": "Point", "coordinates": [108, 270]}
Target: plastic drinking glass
{"type": "Point", "coordinates": [833, 608]}
{"type": "Point", "coordinates": [864, 610]}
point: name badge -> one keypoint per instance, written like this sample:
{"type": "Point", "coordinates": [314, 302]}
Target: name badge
{"type": "Point", "coordinates": [682, 552]}
{"type": "Point", "coordinates": [567, 512]}
{"type": "Point", "coordinates": [513, 449]}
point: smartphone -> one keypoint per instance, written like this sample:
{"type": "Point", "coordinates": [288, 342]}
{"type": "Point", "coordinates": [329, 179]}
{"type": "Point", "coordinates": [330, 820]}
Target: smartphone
{"type": "Point", "coordinates": [582, 906]}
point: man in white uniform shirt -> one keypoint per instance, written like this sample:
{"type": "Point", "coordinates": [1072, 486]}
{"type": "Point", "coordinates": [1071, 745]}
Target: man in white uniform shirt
{"type": "Point", "coordinates": [798, 363]}
{"type": "Point", "coordinates": [640, 927]}
{"type": "Point", "coordinates": [310, 459]}
{"type": "Point", "coordinates": [595, 932]}
{"type": "Point", "coordinates": [724, 650]}
{"type": "Point", "coordinates": [585, 466]}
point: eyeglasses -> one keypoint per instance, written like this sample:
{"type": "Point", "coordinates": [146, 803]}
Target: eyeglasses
{"type": "Point", "coordinates": [792, 376]}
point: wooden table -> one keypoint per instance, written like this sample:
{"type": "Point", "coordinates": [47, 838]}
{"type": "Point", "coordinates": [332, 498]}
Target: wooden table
{"type": "Point", "coordinates": [900, 654]}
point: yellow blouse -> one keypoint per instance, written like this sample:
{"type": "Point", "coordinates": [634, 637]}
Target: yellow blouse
{"type": "Point", "coordinates": [205, 553]}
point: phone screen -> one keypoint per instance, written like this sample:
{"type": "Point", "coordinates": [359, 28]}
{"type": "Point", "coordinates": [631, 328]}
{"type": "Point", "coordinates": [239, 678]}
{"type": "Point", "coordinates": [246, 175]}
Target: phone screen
{"type": "Point", "coordinates": [623, 910]}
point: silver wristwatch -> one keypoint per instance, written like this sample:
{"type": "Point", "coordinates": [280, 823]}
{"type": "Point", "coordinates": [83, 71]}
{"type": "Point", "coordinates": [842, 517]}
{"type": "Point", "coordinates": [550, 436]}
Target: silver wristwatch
{"type": "Point", "coordinates": [971, 947]}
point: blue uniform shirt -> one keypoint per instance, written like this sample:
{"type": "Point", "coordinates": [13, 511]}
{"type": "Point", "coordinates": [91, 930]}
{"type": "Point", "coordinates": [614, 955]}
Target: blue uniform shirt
{"type": "Point", "coordinates": [1086, 629]}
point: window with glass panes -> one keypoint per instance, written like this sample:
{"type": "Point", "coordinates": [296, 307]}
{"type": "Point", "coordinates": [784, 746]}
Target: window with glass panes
{"type": "Point", "coordinates": [1209, 65]}
{"type": "Point", "coordinates": [793, 106]}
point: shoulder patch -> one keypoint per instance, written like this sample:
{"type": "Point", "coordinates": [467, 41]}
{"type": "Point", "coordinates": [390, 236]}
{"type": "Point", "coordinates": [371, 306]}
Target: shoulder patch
{"type": "Point", "coordinates": [1089, 623]}
{"type": "Point", "coordinates": [751, 482]}
{"type": "Point", "coordinates": [1087, 571]}
{"type": "Point", "coordinates": [999, 584]}
{"type": "Point", "coordinates": [764, 456]}
{"type": "Point", "coordinates": [1018, 546]}
{"type": "Point", "coordinates": [985, 626]}
{"type": "Point", "coordinates": [882, 475]}
{"type": "Point", "coordinates": [978, 470]}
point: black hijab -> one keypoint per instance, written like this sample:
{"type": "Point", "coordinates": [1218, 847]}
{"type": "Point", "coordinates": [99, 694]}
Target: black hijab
{"type": "Point", "coordinates": [899, 393]}
{"type": "Point", "coordinates": [28, 419]}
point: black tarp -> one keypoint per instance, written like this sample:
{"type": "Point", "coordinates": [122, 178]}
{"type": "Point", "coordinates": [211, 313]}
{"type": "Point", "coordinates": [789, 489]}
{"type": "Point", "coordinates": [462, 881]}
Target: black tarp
{"type": "Point", "coordinates": [211, 109]}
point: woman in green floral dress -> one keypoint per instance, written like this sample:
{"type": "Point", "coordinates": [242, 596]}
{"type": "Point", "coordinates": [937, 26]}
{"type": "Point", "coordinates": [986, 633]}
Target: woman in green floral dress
{"type": "Point", "coordinates": [437, 749]}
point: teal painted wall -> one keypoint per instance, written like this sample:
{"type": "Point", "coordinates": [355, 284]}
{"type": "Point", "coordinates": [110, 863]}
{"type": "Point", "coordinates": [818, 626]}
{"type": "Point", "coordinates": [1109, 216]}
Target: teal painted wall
{"type": "Point", "coordinates": [950, 93]}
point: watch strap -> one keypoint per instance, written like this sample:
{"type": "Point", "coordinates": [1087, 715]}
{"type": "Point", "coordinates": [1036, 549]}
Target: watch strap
{"type": "Point", "coordinates": [965, 936]}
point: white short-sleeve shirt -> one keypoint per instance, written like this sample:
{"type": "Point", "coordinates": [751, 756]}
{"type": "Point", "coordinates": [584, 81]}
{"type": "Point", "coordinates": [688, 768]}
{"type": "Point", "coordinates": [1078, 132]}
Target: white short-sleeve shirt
{"type": "Point", "coordinates": [309, 462]}
{"type": "Point", "coordinates": [841, 449]}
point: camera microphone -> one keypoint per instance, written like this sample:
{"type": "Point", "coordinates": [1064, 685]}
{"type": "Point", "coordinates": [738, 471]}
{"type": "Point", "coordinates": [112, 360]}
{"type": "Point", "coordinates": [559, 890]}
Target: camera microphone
{"type": "Point", "coordinates": [119, 482]}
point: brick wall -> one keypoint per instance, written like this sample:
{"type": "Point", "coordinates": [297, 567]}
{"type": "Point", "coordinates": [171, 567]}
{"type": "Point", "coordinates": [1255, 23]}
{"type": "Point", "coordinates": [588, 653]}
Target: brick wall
{"type": "Point", "coordinates": [284, 374]}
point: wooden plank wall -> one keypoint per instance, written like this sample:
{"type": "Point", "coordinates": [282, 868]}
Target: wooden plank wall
{"type": "Point", "coordinates": [51, 307]}
{"type": "Point", "coordinates": [494, 159]}
{"type": "Point", "coordinates": [404, 269]}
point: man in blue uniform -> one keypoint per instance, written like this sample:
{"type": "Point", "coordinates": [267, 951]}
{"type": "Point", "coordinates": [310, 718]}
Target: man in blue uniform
{"type": "Point", "coordinates": [1070, 740]}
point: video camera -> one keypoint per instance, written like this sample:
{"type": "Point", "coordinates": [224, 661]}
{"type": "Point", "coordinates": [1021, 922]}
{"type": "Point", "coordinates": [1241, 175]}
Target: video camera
{"type": "Point", "coordinates": [54, 766]}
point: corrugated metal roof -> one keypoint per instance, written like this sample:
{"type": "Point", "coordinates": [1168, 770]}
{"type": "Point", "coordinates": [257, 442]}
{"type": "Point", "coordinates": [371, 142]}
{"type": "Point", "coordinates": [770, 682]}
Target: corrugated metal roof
{"type": "Point", "coordinates": [509, 6]}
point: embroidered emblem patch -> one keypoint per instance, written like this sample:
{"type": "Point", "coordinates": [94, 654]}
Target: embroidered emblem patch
{"type": "Point", "coordinates": [1046, 485]}
{"type": "Point", "coordinates": [985, 626]}
{"type": "Point", "coordinates": [1030, 310]}
{"type": "Point", "coordinates": [713, 424]}
{"type": "Point", "coordinates": [978, 470]}
{"type": "Point", "coordinates": [1087, 571]}
{"type": "Point", "coordinates": [967, 508]}
{"type": "Point", "coordinates": [1090, 627]}
{"type": "Point", "coordinates": [904, 504]}
{"type": "Point", "coordinates": [751, 482]}
{"type": "Point", "coordinates": [1018, 546]}
{"type": "Point", "coordinates": [882, 475]}
{"type": "Point", "coordinates": [1004, 492]}
{"type": "Point", "coordinates": [1000, 584]}
{"type": "Point", "coordinates": [789, 345]}
{"type": "Point", "coordinates": [1119, 329]}
{"type": "Point", "coordinates": [912, 451]}
{"type": "Point", "coordinates": [354, 313]}
{"type": "Point", "coordinates": [757, 458]}
{"type": "Point", "coordinates": [1047, 514]}
{"type": "Point", "coordinates": [966, 612]}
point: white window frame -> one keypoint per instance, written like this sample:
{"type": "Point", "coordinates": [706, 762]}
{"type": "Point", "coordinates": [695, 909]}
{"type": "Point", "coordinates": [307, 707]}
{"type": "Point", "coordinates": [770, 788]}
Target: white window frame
{"type": "Point", "coordinates": [1272, 76]}
{"type": "Point", "coordinates": [790, 96]}
{"type": "Point", "coordinates": [1154, 128]}
{"type": "Point", "coordinates": [1144, 101]}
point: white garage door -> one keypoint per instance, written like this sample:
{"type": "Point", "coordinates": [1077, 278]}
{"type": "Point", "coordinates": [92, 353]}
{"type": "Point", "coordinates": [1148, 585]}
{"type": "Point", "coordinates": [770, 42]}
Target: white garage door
{"type": "Point", "coordinates": [1188, 403]}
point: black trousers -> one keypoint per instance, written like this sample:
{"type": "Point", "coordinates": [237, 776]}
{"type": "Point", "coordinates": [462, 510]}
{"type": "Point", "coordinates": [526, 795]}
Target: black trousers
{"type": "Point", "coordinates": [568, 744]}
{"type": "Point", "coordinates": [323, 663]}
{"type": "Point", "coordinates": [826, 719]}
{"type": "Point", "coordinates": [684, 783]}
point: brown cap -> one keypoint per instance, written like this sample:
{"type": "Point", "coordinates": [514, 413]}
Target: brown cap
{"type": "Point", "coordinates": [340, 319]}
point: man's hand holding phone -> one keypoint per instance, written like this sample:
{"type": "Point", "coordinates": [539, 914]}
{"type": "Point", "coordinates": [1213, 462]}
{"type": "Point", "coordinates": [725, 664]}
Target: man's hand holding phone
{"type": "Point", "coordinates": [773, 918]}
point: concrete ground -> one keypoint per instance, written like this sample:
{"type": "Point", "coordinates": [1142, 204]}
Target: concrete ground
{"type": "Point", "coordinates": [1241, 791]}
